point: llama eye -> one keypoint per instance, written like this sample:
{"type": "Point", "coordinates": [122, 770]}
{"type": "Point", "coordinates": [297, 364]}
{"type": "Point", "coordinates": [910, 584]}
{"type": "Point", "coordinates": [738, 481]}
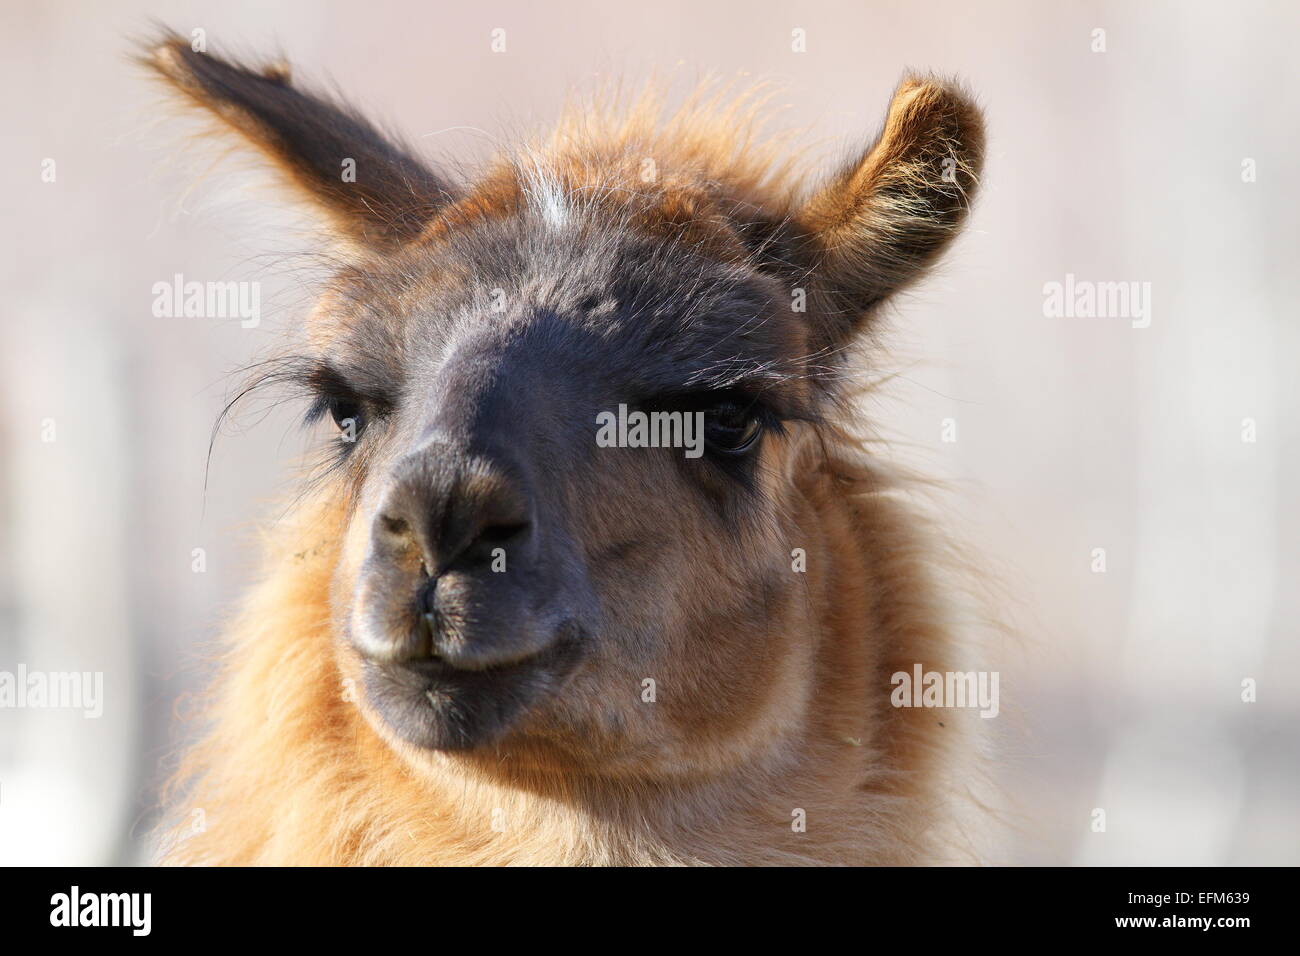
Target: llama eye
{"type": "Point", "coordinates": [348, 416]}
{"type": "Point", "coordinates": [732, 428]}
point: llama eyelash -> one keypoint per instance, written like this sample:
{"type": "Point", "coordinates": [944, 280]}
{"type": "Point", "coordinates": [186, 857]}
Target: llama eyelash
{"type": "Point", "coordinates": [354, 413]}
{"type": "Point", "coordinates": [295, 378]}
{"type": "Point", "coordinates": [351, 423]}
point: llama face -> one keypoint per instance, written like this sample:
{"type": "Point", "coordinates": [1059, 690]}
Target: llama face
{"type": "Point", "coordinates": [520, 565]}
{"type": "Point", "coordinates": [527, 569]}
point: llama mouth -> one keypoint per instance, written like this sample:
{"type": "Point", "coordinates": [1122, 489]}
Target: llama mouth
{"type": "Point", "coordinates": [435, 706]}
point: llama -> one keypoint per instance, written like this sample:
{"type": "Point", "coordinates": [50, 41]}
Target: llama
{"type": "Point", "coordinates": [481, 636]}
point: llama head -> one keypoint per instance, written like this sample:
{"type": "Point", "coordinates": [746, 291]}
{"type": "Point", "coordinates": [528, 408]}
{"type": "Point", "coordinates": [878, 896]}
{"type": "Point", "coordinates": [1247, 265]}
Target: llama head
{"type": "Point", "coordinates": [519, 571]}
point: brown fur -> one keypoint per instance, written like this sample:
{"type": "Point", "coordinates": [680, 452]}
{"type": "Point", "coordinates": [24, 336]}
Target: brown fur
{"type": "Point", "coordinates": [785, 715]}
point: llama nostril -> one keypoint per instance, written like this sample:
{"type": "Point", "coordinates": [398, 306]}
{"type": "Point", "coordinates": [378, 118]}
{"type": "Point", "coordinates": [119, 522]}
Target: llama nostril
{"type": "Point", "coordinates": [396, 529]}
{"type": "Point", "coordinates": [491, 540]}
{"type": "Point", "coordinates": [502, 533]}
{"type": "Point", "coordinates": [451, 511]}
{"type": "Point", "coordinates": [399, 542]}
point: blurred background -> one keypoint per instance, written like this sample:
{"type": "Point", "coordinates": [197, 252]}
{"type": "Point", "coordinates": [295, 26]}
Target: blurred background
{"type": "Point", "coordinates": [1132, 488]}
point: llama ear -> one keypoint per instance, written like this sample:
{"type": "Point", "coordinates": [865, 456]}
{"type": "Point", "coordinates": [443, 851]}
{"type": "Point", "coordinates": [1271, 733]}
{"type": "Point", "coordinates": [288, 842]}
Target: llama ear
{"type": "Point", "coordinates": [370, 189]}
{"type": "Point", "coordinates": [877, 225]}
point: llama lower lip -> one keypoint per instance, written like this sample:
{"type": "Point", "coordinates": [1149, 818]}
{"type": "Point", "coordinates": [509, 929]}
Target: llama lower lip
{"type": "Point", "coordinates": [434, 706]}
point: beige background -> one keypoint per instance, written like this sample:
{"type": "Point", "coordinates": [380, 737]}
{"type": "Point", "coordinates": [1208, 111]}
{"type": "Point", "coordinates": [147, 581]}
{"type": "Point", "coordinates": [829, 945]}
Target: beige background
{"type": "Point", "coordinates": [1072, 434]}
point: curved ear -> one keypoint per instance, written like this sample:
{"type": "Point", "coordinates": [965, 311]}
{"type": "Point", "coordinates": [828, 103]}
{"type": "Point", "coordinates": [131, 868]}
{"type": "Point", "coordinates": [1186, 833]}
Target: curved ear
{"type": "Point", "coordinates": [369, 188]}
{"type": "Point", "coordinates": [879, 223]}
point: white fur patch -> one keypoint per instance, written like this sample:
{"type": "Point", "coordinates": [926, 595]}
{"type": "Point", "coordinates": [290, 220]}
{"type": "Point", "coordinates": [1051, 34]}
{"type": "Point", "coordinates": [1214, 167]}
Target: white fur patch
{"type": "Point", "coordinates": [548, 196]}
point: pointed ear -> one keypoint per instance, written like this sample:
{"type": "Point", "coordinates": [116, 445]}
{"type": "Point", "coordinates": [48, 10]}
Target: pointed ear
{"type": "Point", "coordinates": [878, 224]}
{"type": "Point", "coordinates": [383, 196]}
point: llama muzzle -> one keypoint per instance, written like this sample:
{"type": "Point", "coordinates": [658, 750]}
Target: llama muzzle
{"type": "Point", "coordinates": [466, 610]}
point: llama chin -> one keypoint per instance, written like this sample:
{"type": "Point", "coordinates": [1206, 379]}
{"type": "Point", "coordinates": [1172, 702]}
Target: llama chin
{"type": "Point", "coordinates": [512, 641]}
